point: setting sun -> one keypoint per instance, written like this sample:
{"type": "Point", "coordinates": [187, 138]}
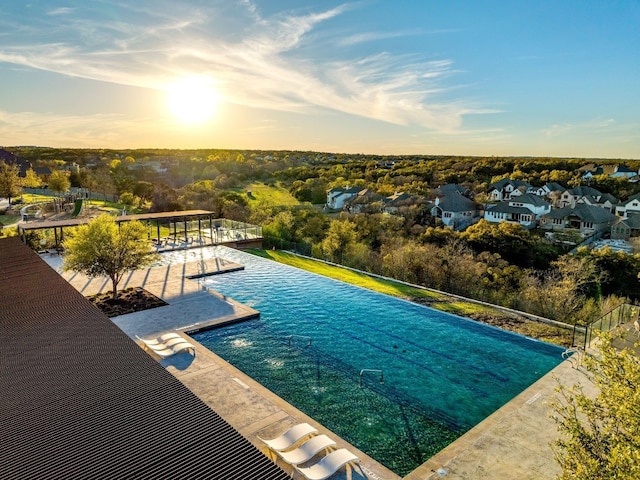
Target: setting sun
{"type": "Point", "coordinates": [192, 100]}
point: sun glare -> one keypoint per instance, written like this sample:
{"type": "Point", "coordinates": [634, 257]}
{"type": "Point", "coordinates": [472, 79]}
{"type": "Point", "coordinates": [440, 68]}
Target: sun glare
{"type": "Point", "coordinates": [192, 100]}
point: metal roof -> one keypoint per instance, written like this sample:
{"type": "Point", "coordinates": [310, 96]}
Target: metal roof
{"type": "Point", "coordinates": [73, 222]}
{"type": "Point", "coordinates": [80, 399]}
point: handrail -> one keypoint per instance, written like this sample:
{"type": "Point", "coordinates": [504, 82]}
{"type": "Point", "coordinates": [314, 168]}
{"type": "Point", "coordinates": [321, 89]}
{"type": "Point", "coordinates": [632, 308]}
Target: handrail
{"type": "Point", "coordinates": [571, 350]}
{"type": "Point", "coordinates": [290, 337]}
{"type": "Point", "coordinates": [372, 370]}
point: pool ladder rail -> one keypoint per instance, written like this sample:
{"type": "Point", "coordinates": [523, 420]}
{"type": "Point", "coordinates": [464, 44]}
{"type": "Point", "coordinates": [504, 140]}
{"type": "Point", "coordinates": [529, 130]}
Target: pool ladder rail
{"type": "Point", "coordinates": [371, 370]}
{"type": "Point", "coordinates": [574, 355]}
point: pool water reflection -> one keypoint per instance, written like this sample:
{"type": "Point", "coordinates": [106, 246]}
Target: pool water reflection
{"type": "Point", "coordinates": [442, 374]}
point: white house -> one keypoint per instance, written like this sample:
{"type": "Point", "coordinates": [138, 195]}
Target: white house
{"type": "Point", "coordinates": [606, 201]}
{"type": "Point", "coordinates": [337, 197]}
{"type": "Point", "coordinates": [631, 206]}
{"type": "Point", "coordinates": [524, 209]}
{"type": "Point", "coordinates": [455, 211]}
{"type": "Point", "coordinates": [547, 189]}
{"type": "Point", "coordinates": [507, 188]}
{"type": "Point", "coordinates": [570, 197]}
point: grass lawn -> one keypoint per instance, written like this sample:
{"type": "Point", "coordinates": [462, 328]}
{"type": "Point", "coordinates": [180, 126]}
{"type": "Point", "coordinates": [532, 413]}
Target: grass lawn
{"type": "Point", "coordinates": [270, 195]}
{"type": "Point", "coordinates": [9, 219]}
{"type": "Point", "coordinates": [439, 301]}
{"type": "Point", "coordinates": [388, 287]}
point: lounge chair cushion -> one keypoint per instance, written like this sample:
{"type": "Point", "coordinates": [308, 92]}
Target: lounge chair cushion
{"type": "Point", "coordinates": [307, 450]}
{"type": "Point", "coordinates": [289, 438]}
{"type": "Point", "coordinates": [328, 466]}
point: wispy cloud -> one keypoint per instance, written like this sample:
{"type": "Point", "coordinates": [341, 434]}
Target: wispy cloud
{"type": "Point", "coordinates": [592, 125]}
{"type": "Point", "coordinates": [260, 61]}
{"type": "Point", "coordinates": [60, 11]}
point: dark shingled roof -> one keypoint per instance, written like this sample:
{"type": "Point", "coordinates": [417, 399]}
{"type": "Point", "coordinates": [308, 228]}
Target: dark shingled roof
{"type": "Point", "coordinates": [586, 213]}
{"type": "Point", "coordinates": [79, 398]}
{"type": "Point", "coordinates": [504, 207]}
{"type": "Point", "coordinates": [456, 203]}
{"type": "Point", "coordinates": [530, 199]}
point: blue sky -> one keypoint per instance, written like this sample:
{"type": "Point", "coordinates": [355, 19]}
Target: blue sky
{"type": "Point", "coordinates": [476, 77]}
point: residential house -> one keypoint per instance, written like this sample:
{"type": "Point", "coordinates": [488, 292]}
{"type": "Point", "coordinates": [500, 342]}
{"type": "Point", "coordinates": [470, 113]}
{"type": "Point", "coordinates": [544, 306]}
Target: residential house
{"type": "Point", "coordinates": [507, 188]}
{"type": "Point", "coordinates": [525, 210]}
{"type": "Point", "coordinates": [393, 202]}
{"type": "Point", "coordinates": [547, 189]}
{"type": "Point", "coordinates": [456, 211]}
{"type": "Point", "coordinates": [570, 197]}
{"type": "Point", "coordinates": [550, 191]}
{"type": "Point", "coordinates": [606, 200]}
{"type": "Point", "coordinates": [365, 200]}
{"type": "Point", "coordinates": [338, 197]}
{"type": "Point", "coordinates": [631, 206]}
{"type": "Point", "coordinates": [612, 171]}
{"type": "Point", "coordinates": [10, 159]}
{"type": "Point", "coordinates": [588, 219]}
{"type": "Point", "coordinates": [622, 171]}
{"type": "Point", "coordinates": [624, 228]}
{"type": "Point", "coordinates": [592, 170]}
{"type": "Point", "coordinates": [453, 188]}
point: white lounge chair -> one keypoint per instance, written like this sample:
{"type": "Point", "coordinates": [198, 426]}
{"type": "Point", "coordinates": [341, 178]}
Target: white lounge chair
{"type": "Point", "coordinates": [171, 347]}
{"type": "Point", "coordinates": [307, 450]}
{"type": "Point", "coordinates": [162, 339]}
{"type": "Point", "coordinates": [289, 438]}
{"type": "Point", "coordinates": [328, 466]}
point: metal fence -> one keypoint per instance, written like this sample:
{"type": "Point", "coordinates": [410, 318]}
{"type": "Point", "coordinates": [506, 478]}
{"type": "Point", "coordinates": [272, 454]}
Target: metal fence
{"type": "Point", "coordinates": [584, 335]}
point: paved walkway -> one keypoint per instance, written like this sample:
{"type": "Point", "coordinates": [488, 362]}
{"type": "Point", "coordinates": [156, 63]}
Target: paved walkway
{"type": "Point", "coordinates": [513, 443]}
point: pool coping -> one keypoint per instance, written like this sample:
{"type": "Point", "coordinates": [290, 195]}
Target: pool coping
{"type": "Point", "coordinates": [513, 442]}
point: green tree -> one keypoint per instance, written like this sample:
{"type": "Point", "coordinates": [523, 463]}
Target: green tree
{"type": "Point", "coordinates": [129, 200]}
{"type": "Point", "coordinates": [340, 239]}
{"type": "Point", "coordinates": [31, 180]}
{"type": "Point", "coordinates": [59, 181]}
{"type": "Point", "coordinates": [600, 434]}
{"type": "Point", "coordinates": [10, 182]}
{"type": "Point", "coordinates": [104, 248]}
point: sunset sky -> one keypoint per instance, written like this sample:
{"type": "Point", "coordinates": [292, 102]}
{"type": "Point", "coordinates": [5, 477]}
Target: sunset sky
{"type": "Point", "coordinates": [474, 77]}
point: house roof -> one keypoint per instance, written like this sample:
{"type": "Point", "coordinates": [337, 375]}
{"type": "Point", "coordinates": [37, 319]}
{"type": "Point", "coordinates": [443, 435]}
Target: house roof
{"type": "Point", "coordinates": [451, 188]}
{"type": "Point", "coordinates": [456, 203]}
{"type": "Point", "coordinates": [11, 159]}
{"type": "Point", "coordinates": [504, 207]}
{"type": "Point", "coordinates": [586, 213]}
{"type": "Point", "coordinates": [554, 187]}
{"type": "Point", "coordinates": [500, 184]}
{"type": "Point", "coordinates": [632, 222]}
{"type": "Point", "coordinates": [632, 198]}
{"type": "Point", "coordinates": [582, 191]}
{"type": "Point", "coordinates": [81, 400]}
{"type": "Point", "coordinates": [608, 197]}
{"type": "Point", "coordinates": [397, 199]}
{"type": "Point", "coordinates": [340, 191]}
{"type": "Point", "coordinates": [530, 199]}
{"type": "Point", "coordinates": [365, 196]}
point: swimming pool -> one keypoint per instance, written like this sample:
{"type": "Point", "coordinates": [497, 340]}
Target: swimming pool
{"type": "Point", "coordinates": [325, 346]}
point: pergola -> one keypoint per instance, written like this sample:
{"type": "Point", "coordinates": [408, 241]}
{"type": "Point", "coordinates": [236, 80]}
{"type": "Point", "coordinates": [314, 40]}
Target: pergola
{"type": "Point", "coordinates": [188, 227]}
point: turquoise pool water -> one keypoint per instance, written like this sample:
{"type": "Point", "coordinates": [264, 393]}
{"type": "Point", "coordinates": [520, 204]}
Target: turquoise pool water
{"type": "Point", "coordinates": [442, 374]}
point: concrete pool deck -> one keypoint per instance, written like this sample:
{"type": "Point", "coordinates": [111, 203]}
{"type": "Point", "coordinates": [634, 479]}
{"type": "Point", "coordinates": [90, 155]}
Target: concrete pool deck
{"type": "Point", "coordinates": [511, 443]}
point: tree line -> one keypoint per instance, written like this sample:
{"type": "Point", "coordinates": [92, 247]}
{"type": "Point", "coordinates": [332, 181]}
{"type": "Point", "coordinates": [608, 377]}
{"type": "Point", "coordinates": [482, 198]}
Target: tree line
{"type": "Point", "coordinates": [502, 264]}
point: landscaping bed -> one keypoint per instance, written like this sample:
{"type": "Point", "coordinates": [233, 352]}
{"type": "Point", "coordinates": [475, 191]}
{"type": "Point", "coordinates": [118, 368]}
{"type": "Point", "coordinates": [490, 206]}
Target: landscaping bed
{"type": "Point", "coordinates": [130, 300]}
